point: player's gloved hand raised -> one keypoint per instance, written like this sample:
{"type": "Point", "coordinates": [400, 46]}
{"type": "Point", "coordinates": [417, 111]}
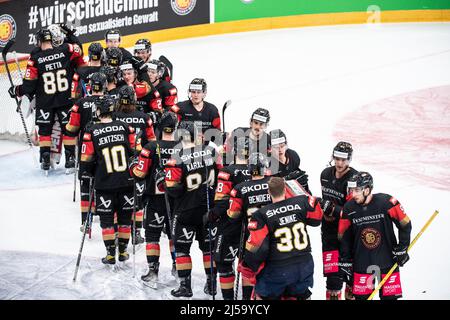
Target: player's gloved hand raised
{"type": "Point", "coordinates": [14, 91]}
{"type": "Point", "coordinates": [155, 116]}
{"type": "Point", "coordinates": [247, 273]}
{"type": "Point", "coordinates": [400, 254]}
{"type": "Point", "coordinates": [138, 63]}
{"type": "Point", "coordinates": [327, 207]}
{"type": "Point", "coordinates": [65, 28]}
{"type": "Point", "coordinates": [160, 176]}
{"type": "Point", "coordinates": [346, 270]}
{"type": "Point", "coordinates": [132, 162]}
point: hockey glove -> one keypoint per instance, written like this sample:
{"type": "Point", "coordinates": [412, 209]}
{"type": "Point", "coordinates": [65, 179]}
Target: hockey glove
{"type": "Point", "coordinates": [160, 176]}
{"type": "Point", "coordinates": [155, 116]}
{"type": "Point", "coordinates": [14, 91]}
{"type": "Point", "coordinates": [133, 161]}
{"type": "Point", "coordinates": [327, 207]}
{"type": "Point", "coordinates": [138, 64]}
{"type": "Point", "coordinates": [65, 28]}
{"type": "Point", "coordinates": [346, 270]}
{"type": "Point", "coordinates": [400, 255]}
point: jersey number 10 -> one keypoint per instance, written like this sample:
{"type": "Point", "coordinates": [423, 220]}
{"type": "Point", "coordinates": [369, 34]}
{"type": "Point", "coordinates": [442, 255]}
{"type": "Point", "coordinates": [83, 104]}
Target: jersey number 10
{"type": "Point", "coordinates": [115, 159]}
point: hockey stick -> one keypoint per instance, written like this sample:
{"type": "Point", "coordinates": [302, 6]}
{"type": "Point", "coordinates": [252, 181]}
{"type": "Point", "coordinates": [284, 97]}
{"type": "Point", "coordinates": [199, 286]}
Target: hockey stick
{"type": "Point", "coordinates": [225, 106]}
{"type": "Point", "coordinates": [4, 52]}
{"type": "Point", "coordinates": [133, 237]}
{"type": "Point", "coordinates": [386, 277]}
{"type": "Point", "coordinates": [240, 255]}
{"type": "Point", "coordinates": [91, 196]}
{"type": "Point", "coordinates": [75, 173]}
{"type": "Point", "coordinates": [211, 262]}
{"type": "Point", "coordinates": [169, 65]}
{"type": "Point", "coordinates": [166, 196]}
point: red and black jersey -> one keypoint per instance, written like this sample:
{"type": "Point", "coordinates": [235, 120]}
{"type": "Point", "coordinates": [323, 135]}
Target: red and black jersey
{"type": "Point", "coordinates": [169, 95]}
{"type": "Point", "coordinates": [335, 190]}
{"type": "Point", "coordinates": [82, 113]}
{"type": "Point", "coordinates": [227, 179]}
{"type": "Point", "coordinates": [150, 102]}
{"type": "Point", "coordinates": [247, 197]}
{"type": "Point", "coordinates": [207, 118]}
{"type": "Point", "coordinates": [187, 175]}
{"type": "Point", "coordinates": [140, 121]}
{"type": "Point", "coordinates": [278, 233]}
{"type": "Point", "coordinates": [80, 81]}
{"type": "Point", "coordinates": [49, 75]}
{"type": "Point", "coordinates": [105, 152]}
{"type": "Point", "coordinates": [149, 163]}
{"type": "Point", "coordinates": [366, 233]}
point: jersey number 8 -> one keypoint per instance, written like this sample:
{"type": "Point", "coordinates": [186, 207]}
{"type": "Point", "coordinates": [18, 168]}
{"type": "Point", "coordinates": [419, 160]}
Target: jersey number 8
{"type": "Point", "coordinates": [285, 234]}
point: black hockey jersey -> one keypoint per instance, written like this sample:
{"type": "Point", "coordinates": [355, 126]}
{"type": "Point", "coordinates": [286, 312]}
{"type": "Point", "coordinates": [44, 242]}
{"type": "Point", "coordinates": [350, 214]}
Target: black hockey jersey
{"type": "Point", "coordinates": [49, 75]}
{"type": "Point", "coordinates": [283, 169]}
{"type": "Point", "coordinates": [207, 118]}
{"type": "Point", "coordinates": [80, 81]}
{"type": "Point", "coordinates": [169, 95]}
{"type": "Point", "coordinates": [247, 197]}
{"type": "Point", "coordinates": [82, 113]}
{"type": "Point", "coordinates": [141, 122]}
{"type": "Point", "coordinates": [261, 145]}
{"type": "Point", "coordinates": [367, 235]}
{"type": "Point", "coordinates": [278, 233]}
{"type": "Point", "coordinates": [187, 175]}
{"type": "Point", "coordinates": [105, 153]}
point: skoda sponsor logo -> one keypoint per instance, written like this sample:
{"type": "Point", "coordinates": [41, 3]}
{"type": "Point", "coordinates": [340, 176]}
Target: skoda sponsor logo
{"type": "Point", "coordinates": [183, 7]}
{"type": "Point", "coordinates": [8, 28]}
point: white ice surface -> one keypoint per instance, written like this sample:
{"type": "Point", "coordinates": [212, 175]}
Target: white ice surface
{"type": "Point", "coordinates": [309, 79]}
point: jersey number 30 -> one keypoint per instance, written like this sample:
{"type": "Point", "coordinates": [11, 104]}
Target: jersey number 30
{"type": "Point", "coordinates": [290, 238]}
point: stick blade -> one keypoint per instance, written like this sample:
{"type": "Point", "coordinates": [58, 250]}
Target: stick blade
{"type": "Point", "coordinates": [226, 104]}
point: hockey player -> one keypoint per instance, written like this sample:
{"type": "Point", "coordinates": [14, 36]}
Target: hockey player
{"type": "Point", "coordinates": [113, 57]}
{"type": "Point", "coordinates": [168, 92]}
{"type": "Point", "coordinates": [48, 76]}
{"type": "Point", "coordinates": [228, 234]}
{"type": "Point", "coordinates": [148, 166]}
{"type": "Point", "coordinates": [197, 110]}
{"type": "Point", "coordinates": [111, 88]}
{"type": "Point", "coordinates": [107, 146]}
{"type": "Point", "coordinates": [148, 98]}
{"type": "Point", "coordinates": [140, 121]}
{"type": "Point", "coordinates": [259, 140]}
{"type": "Point", "coordinates": [285, 162]}
{"type": "Point", "coordinates": [113, 39]}
{"type": "Point", "coordinates": [80, 80]}
{"type": "Point", "coordinates": [143, 49]}
{"type": "Point", "coordinates": [246, 198]}
{"type": "Point", "coordinates": [82, 115]}
{"type": "Point", "coordinates": [188, 179]}
{"type": "Point", "coordinates": [367, 239]}
{"type": "Point", "coordinates": [278, 251]}
{"type": "Point", "coordinates": [334, 195]}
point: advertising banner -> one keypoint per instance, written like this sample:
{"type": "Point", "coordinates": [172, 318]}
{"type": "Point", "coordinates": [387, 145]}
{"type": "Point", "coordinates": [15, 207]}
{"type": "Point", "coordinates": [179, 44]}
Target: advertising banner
{"type": "Point", "coordinates": [92, 18]}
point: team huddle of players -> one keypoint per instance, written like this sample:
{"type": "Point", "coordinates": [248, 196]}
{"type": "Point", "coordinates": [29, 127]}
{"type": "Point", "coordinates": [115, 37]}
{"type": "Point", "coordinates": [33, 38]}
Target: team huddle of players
{"type": "Point", "coordinates": [147, 159]}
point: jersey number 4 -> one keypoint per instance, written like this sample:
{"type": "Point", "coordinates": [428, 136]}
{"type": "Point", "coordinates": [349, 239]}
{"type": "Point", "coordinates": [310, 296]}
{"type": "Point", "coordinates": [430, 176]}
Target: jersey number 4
{"type": "Point", "coordinates": [55, 81]}
{"type": "Point", "coordinates": [115, 159]}
{"type": "Point", "coordinates": [290, 238]}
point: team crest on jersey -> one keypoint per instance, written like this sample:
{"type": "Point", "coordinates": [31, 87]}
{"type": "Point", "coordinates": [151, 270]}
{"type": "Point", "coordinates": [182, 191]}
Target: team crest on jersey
{"type": "Point", "coordinates": [371, 238]}
{"type": "Point", "coordinates": [8, 28]}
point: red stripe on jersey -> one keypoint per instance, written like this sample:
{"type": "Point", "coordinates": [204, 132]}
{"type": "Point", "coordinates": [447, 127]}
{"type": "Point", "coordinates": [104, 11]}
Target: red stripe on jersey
{"type": "Point", "coordinates": [150, 246]}
{"type": "Point", "coordinates": [141, 169]}
{"type": "Point", "coordinates": [229, 279]}
{"type": "Point", "coordinates": [88, 148]}
{"type": "Point", "coordinates": [45, 138]}
{"type": "Point", "coordinates": [150, 133]}
{"type": "Point", "coordinates": [124, 229]}
{"type": "Point", "coordinates": [75, 117]}
{"type": "Point", "coordinates": [344, 224]}
{"type": "Point", "coordinates": [170, 100]}
{"type": "Point", "coordinates": [224, 187]}
{"type": "Point", "coordinates": [397, 212]}
{"type": "Point", "coordinates": [183, 260]}
{"type": "Point", "coordinates": [87, 137]}
{"type": "Point", "coordinates": [173, 174]}
{"type": "Point", "coordinates": [206, 258]}
{"type": "Point", "coordinates": [108, 231]}
{"type": "Point", "coordinates": [349, 197]}
{"type": "Point", "coordinates": [216, 123]}
{"type": "Point", "coordinates": [132, 139]}
{"type": "Point", "coordinates": [317, 214]}
{"type": "Point", "coordinates": [257, 237]}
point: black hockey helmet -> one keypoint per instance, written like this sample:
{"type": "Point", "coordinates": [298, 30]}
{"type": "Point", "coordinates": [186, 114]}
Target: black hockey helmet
{"type": "Point", "coordinates": [261, 115]}
{"type": "Point", "coordinates": [43, 35]}
{"type": "Point", "coordinates": [98, 82]}
{"type": "Point", "coordinates": [168, 122]}
{"type": "Point", "coordinates": [157, 66]}
{"type": "Point", "coordinates": [142, 44]}
{"type": "Point", "coordinates": [257, 164]}
{"type": "Point", "coordinates": [361, 180]}
{"type": "Point", "coordinates": [126, 95]}
{"type": "Point", "coordinates": [126, 65]}
{"type": "Point", "coordinates": [113, 57]}
{"type": "Point", "coordinates": [241, 147]}
{"type": "Point", "coordinates": [112, 35]}
{"type": "Point", "coordinates": [343, 150]}
{"type": "Point", "coordinates": [109, 72]}
{"type": "Point", "coordinates": [95, 51]}
{"type": "Point", "coordinates": [198, 84]}
{"type": "Point", "coordinates": [105, 105]}
{"type": "Point", "coordinates": [277, 137]}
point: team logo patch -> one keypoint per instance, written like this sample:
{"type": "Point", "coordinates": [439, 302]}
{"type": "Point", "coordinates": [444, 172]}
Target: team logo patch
{"type": "Point", "coordinates": [223, 175]}
{"type": "Point", "coordinates": [87, 136]}
{"type": "Point", "coordinates": [182, 7]}
{"type": "Point", "coordinates": [145, 152]}
{"type": "Point", "coordinates": [371, 238]}
{"type": "Point", "coordinates": [252, 225]}
{"type": "Point", "coordinates": [8, 28]}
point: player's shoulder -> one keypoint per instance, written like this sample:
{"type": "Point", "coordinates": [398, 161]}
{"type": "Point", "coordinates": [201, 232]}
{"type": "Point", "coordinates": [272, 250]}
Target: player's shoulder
{"type": "Point", "coordinates": [385, 198]}
{"type": "Point", "coordinates": [211, 106]}
{"type": "Point", "coordinates": [350, 206]}
{"type": "Point", "coordinates": [293, 156]}
{"type": "Point", "coordinates": [327, 173]}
